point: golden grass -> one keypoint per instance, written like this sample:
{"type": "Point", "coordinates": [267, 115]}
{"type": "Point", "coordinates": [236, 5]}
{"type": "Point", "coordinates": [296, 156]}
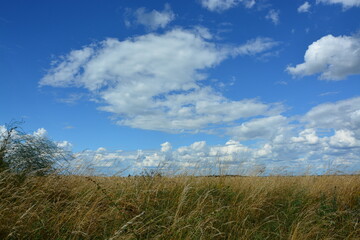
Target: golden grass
{"type": "Point", "coordinates": [76, 207]}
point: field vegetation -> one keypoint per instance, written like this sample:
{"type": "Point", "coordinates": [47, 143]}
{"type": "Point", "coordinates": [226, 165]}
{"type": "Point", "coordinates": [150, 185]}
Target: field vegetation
{"type": "Point", "coordinates": [181, 207]}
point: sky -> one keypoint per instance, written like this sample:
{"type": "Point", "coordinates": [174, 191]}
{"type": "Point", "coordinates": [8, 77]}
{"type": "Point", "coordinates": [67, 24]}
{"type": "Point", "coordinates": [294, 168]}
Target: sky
{"type": "Point", "coordinates": [239, 85]}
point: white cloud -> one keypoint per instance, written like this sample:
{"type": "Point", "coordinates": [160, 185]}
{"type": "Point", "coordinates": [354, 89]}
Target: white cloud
{"type": "Point", "coordinates": [218, 5]}
{"type": "Point", "coordinates": [203, 32]}
{"type": "Point", "coordinates": [222, 5]}
{"type": "Point", "coordinates": [249, 3]}
{"type": "Point", "coordinates": [101, 149]}
{"type": "Point", "coordinates": [153, 81]}
{"type": "Point", "coordinates": [343, 114]}
{"type": "Point", "coordinates": [297, 154]}
{"type": "Point", "coordinates": [344, 138]}
{"type": "Point", "coordinates": [67, 67]}
{"type": "Point", "coordinates": [166, 147]}
{"type": "Point", "coordinates": [273, 15]}
{"type": "Point", "coordinates": [41, 132]}
{"type": "Point", "coordinates": [66, 145]}
{"type": "Point", "coordinates": [304, 7]}
{"type": "Point", "coordinates": [281, 83]}
{"type": "Point", "coordinates": [334, 57]}
{"type": "Point", "coordinates": [264, 151]}
{"type": "Point", "coordinates": [345, 3]}
{"type": "Point", "coordinates": [255, 46]}
{"type": "Point", "coordinates": [306, 136]}
{"type": "Point", "coordinates": [3, 131]}
{"type": "Point", "coordinates": [153, 19]}
{"type": "Point", "coordinates": [328, 94]}
{"type": "Point", "coordinates": [260, 128]}
{"type": "Point", "coordinates": [326, 138]}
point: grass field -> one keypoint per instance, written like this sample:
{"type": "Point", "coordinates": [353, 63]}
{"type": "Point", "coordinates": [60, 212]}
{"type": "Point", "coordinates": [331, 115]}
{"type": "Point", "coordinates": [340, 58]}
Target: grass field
{"type": "Point", "coordinates": [155, 207]}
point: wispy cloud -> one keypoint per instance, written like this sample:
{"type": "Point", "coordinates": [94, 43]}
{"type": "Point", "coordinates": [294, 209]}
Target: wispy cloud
{"type": "Point", "coordinates": [305, 7]}
{"type": "Point", "coordinates": [71, 98]}
{"type": "Point", "coordinates": [150, 19]}
{"type": "Point", "coordinates": [328, 93]}
{"type": "Point", "coordinates": [274, 16]}
{"type": "Point", "coordinates": [281, 83]}
{"type": "Point", "coordinates": [256, 46]}
{"type": "Point", "coordinates": [345, 3]}
{"type": "Point", "coordinates": [222, 5]}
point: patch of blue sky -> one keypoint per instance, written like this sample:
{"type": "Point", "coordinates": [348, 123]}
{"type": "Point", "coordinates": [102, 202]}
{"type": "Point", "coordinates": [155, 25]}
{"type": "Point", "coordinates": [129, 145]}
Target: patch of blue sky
{"type": "Point", "coordinates": [34, 34]}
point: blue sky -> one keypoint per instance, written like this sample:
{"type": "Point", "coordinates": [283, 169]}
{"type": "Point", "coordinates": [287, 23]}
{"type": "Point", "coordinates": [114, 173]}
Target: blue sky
{"type": "Point", "coordinates": [266, 84]}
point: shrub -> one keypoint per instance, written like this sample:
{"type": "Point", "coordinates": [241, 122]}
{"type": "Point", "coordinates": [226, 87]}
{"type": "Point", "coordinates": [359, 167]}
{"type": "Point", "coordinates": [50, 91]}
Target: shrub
{"type": "Point", "coordinates": [26, 154]}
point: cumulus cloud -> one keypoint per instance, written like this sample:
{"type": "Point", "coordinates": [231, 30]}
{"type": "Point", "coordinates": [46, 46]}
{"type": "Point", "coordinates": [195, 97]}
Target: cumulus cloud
{"type": "Point", "coordinates": [66, 145]}
{"type": "Point", "coordinates": [222, 5]}
{"type": "Point", "coordinates": [345, 3]}
{"type": "Point", "coordinates": [306, 154]}
{"type": "Point", "coordinates": [311, 145]}
{"type": "Point", "coordinates": [273, 15]}
{"type": "Point", "coordinates": [2, 130]}
{"type": "Point", "coordinates": [334, 58]}
{"type": "Point", "coordinates": [343, 114]}
{"type": "Point", "coordinates": [260, 128]}
{"type": "Point", "coordinates": [333, 128]}
{"type": "Point", "coordinates": [197, 158]}
{"type": "Point", "coordinates": [101, 149]}
{"type": "Point", "coordinates": [326, 139]}
{"type": "Point", "coordinates": [153, 81]}
{"type": "Point", "coordinates": [165, 147]}
{"type": "Point", "coordinates": [41, 132]}
{"type": "Point", "coordinates": [306, 136]}
{"type": "Point", "coordinates": [344, 139]}
{"type": "Point", "coordinates": [305, 7]}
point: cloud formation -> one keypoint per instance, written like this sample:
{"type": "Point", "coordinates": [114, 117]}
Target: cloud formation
{"type": "Point", "coordinates": [260, 128]}
{"type": "Point", "coordinates": [154, 81]}
{"type": "Point", "coordinates": [335, 58]}
{"type": "Point", "coordinates": [345, 3]}
{"type": "Point", "coordinates": [222, 5]}
{"type": "Point", "coordinates": [305, 7]}
{"type": "Point", "coordinates": [343, 114]}
{"type": "Point", "coordinates": [324, 140]}
{"type": "Point", "coordinates": [41, 133]}
{"type": "Point", "coordinates": [273, 15]}
{"type": "Point", "coordinates": [256, 46]}
{"type": "Point", "coordinates": [152, 19]}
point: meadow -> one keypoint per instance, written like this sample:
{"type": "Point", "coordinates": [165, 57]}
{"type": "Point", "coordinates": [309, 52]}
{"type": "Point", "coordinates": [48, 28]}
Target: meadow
{"type": "Point", "coordinates": [179, 207]}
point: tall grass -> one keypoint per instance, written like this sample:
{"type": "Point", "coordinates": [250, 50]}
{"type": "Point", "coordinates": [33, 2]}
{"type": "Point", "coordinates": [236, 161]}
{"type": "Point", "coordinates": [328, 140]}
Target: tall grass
{"type": "Point", "coordinates": [155, 207]}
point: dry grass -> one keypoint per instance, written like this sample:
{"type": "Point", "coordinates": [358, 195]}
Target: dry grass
{"type": "Point", "coordinates": [74, 207]}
